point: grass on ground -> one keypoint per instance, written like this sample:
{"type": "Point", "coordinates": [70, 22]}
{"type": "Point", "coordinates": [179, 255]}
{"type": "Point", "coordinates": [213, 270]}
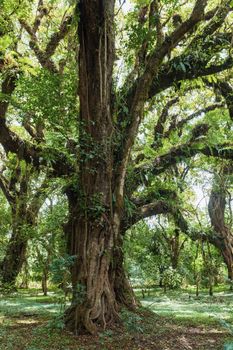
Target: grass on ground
{"type": "Point", "coordinates": [30, 321]}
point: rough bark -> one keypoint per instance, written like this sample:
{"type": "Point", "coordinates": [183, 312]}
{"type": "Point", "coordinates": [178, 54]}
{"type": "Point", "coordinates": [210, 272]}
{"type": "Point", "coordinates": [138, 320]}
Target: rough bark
{"type": "Point", "coordinates": [15, 253]}
{"type": "Point", "coordinates": [125, 296]}
{"type": "Point", "coordinates": [95, 220]}
{"type": "Point", "coordinates": [223, 238]}
{"type": "Point", "coordinates": [24, 214]}
{"type": "Point", "coordinates": [118, 279]}
{"type": "Point", "coordinates": [25, 275]}
{"type": "Point", "coordinates": [93, 231]}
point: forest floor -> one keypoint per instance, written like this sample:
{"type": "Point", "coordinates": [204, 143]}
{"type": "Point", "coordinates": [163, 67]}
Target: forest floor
{"type": "Point", "coordinates": [30, 321]}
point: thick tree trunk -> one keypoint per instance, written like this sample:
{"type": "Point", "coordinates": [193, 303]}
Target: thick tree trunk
{"type": "Point", "coordinates": [13, 261]}
{"type": "Point", "coordinates": [223, 239]}
{"type": "Point", "coordinates": [94, 232]}
{"type": "Point", "coordinates": [117, 286]}
{"type": "Point", "coordinates": [24, 211]}
{"type": "Point", "coordinates": [94, 301]}
{"type": "Point", "coordinates": [15, 255]}
{"type": "Point", "coordinates": [123, 290]}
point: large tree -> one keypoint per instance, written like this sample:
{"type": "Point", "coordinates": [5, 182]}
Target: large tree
{"type": "Point", "coordinates": [105, 148]}
{"type": "Point", "coordinates": [99, 164]}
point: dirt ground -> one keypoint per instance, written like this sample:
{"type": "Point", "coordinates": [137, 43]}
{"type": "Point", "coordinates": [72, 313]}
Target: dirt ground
{"type": "Point", "coordinates": [147, 331]}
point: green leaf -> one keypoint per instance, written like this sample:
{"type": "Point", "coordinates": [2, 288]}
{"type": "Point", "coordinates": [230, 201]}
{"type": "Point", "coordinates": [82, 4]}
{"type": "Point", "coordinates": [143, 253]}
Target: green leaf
{"type": "Point", "coordinates": [183, 68]}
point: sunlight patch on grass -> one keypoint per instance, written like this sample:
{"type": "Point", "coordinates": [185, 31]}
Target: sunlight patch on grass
{"type": "Point", "coordinates": [19, 305]}
{"type": "Point", "coordinates": [204, 309]}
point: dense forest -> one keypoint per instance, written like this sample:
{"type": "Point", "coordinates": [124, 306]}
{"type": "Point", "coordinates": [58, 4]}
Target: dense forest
{"type": "Point", "coordinates": [116, 174]}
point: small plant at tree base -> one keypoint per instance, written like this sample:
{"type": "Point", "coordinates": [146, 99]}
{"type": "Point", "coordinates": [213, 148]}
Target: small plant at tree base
{"type": "Point", "coordinates": [131, 321]}
{"type": "Point", "coordinates": [56, 323]}
{"type": "Point", "coordinates": [105, 336]}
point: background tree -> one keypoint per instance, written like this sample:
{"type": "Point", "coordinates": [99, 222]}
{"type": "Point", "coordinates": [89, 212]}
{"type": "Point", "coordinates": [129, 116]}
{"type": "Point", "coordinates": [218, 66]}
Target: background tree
{"type": "Point", "coordinates": [25, 199]}
{"type": "Point", "coordinates": [48, 242]}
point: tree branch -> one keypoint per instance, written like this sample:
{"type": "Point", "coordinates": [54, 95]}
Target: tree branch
{"type": "Point", "coordinates": [178, 154]}
{"type": "Point", "coordinates": [155, 17]}
{"type": "Point", "coordinates": [5, 188]}
{"type": "Point", "coordinates": [160, 125]}
{"type": "Point", "coordinates": [227, 92]}
{"type": "Point", "coordinates": [181, 123]}
{"type": "Point", "coordinates": [42, 11]}
{"type": "Point", "coordinates": [220, 14]}
{"type": "Point", "coordinates": [145, 211]}
{"type": "Point", "coordinates": [11, 142]}
{"type": "Point", "coordinates": [195, 65]}
{"type": "Point", "coordinates": [141, 89]}
{"type": "Point", "coordinates": [58, 36]}
{"type": "Point", "coordinates": [39, 198]}
{"type": "Point", "coordinates": [8, 86]}
{"type": "Point", "coordinates": [186, 151]}
{"type": "Point", "coordinates": [44, 57]}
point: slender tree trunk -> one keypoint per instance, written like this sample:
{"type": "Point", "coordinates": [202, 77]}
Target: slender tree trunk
{"type": "Point", "coordinates": [211, 292]}
{"type": "Point", "coordinates": [197, 287]}
{"type": "Point", "coordinates": [175, 249]}
{"type": "Point", "coordinates": [25, 275]}
{"type": "Point", "coordinates": [44, 282]}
